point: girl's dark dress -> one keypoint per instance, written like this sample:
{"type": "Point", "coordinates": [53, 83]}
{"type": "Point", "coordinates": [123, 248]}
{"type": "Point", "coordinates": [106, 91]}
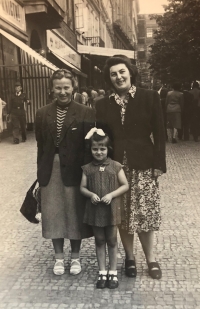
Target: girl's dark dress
{"type": "Point", "coordinates": [102, 179]}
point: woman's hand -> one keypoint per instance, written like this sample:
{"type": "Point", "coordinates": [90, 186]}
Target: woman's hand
{"type": "Point", "coordinates": [95, 199]}
{"type": "Point", "coordinates": [107, 199]}
{"type": "Point", "coordinates": [157, 173]}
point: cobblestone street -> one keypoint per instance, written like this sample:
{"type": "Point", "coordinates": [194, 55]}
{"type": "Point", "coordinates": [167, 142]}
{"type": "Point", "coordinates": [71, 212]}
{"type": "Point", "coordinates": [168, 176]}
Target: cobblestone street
{"type": "Point", "coordinates": [26, 259]}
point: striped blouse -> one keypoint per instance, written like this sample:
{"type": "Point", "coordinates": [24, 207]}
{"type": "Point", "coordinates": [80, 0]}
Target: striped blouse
{"type": "Point", "coordinates": [60, 113]}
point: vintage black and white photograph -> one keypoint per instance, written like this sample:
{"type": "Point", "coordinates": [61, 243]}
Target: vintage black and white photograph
{"type": "Point", "coordinates": [100, 154]}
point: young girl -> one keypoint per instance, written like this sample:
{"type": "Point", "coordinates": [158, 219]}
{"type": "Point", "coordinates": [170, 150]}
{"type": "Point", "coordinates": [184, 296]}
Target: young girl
{"type": "Point", "coordinates": [103, 182]}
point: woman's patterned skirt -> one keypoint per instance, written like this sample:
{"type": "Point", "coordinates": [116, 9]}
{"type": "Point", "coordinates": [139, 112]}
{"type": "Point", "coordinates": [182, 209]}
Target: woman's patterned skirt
{"type": "Point", "coordinates": [142, 201]}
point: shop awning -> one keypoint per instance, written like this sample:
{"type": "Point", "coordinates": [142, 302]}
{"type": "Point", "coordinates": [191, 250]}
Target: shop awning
{"type": "Point", "coordinates": [29, 50]}
{"type": "Point", "coordinates": [74, 69]}
{"type": "Point", "coordinates": [106, 52]}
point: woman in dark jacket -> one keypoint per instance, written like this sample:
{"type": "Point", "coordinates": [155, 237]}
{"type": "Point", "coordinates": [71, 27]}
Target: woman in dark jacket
{"type": "Point", "coordinates": [132, 117]}
{"type": "Point", "coordinates": [61, 127]}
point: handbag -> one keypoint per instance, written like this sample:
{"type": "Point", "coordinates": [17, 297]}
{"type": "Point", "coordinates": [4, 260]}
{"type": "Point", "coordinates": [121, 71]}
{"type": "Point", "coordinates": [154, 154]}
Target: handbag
{"type": "Point", "coordinates": [29, 208]}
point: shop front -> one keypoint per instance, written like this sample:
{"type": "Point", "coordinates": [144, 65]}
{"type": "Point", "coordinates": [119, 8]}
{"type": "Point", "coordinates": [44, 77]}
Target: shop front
{"type": "Point", "coordinates": [93, 61]}
{"type": "Point", "coordinates": [18, 62]}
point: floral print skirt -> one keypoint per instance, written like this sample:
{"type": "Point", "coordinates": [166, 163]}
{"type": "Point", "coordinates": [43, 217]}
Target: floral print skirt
{"type": "Point", "coordinates": [142, 201]}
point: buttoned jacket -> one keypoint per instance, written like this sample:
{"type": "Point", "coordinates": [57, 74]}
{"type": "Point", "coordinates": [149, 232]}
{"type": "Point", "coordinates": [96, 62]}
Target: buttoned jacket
{"type": "Point", "coordinates": [73, 150]}
{"type": "Point", "coordinates": [143, 119]}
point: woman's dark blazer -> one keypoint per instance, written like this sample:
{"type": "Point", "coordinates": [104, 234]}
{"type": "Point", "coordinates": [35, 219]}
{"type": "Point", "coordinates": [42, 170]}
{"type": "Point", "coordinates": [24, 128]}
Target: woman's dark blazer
{"type": "Point", "coordinates": [73, 150]}
{"type": "Point", "coordinates": [143, 117]}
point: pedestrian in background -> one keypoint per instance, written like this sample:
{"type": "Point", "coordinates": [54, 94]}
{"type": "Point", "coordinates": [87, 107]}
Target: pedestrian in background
{"type": "Point", "coordinates": [101, 94]}
{"type": "Point", "coordinates": [163, 94]}
{"type": "Point", "coordinates": [60, 129]}
{"type": "Point", "coordinates": [17, 113]}
{"type": "Point", "coordinates": [195, 121]}
{"type": "Point", "coordinates": [103, 182]}
{"type": "Point", "coordinates": [174, 108]}
{"type": "Point", "coordinates": [77, 96]}
{"type": "Point", "coordinates": [2, 114]}
{"type": "Point", "coordinates": [84, 95]}
{"type": "Point", "coordinates": [129, 116]}
{"type": "Point", "coordinates": [188, 111]}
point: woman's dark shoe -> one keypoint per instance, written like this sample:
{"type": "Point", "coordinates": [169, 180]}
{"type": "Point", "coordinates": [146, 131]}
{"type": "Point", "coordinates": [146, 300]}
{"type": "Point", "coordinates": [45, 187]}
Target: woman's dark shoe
{"type": "Point", "coordinates": [112, 282]}
{"type": "Point", "coordinates": [101, 282]}
{"type": "Point", "coordinates": [16, 141]}
{"type": "Point", "coordinates": [154, 270]}
{"type": "Point", "coordinates": [174, 141]}
{"type": "Point", "coordinates": [130, 268]}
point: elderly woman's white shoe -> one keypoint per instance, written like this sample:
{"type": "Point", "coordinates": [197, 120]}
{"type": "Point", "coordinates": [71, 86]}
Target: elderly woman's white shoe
{"type": "Point", "coordinates": [59, 268]}
{"type": "Point", "coordinates": [75, 268]}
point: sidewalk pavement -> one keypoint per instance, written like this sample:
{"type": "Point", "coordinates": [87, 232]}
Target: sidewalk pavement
{"type": "Point", "coordinates": [26, 259]}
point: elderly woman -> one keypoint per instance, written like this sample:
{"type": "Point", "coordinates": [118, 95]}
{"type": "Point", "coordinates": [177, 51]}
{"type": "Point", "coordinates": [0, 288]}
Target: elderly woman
{"type": "Point", "coordinates": [61, 127]}
{"type": "Point", "coordinates": [132, 116]}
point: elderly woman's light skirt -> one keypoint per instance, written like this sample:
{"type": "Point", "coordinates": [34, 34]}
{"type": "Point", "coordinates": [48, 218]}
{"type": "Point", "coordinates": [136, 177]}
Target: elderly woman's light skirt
{"type": "Point", "coordinates": [142, 201]}
{"type": "Point", "coordinates": [62, 208]}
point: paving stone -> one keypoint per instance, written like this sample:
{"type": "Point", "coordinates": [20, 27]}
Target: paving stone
{"type": "Point", "coordinates": [26, 259]}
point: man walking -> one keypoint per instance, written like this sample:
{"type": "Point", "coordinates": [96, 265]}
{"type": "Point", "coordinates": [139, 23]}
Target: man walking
{"type": "Point", "coordinates": [16, 110]}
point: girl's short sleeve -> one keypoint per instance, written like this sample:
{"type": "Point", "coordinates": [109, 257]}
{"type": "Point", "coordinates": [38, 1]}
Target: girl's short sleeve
{"type": "Point", "coordinates": [117, 166]}
{"type": "Point", "coordinates": [85, 169]}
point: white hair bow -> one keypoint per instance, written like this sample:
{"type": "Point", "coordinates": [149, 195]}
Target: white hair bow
{"type": "Point", "coordinates": [92, 131]}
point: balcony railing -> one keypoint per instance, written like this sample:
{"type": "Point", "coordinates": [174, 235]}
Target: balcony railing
{"type": "Point", "coordinates": [95, 41]}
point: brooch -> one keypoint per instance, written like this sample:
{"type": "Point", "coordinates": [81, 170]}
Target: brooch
{"type": "Point", "coordinates": [102, 169]}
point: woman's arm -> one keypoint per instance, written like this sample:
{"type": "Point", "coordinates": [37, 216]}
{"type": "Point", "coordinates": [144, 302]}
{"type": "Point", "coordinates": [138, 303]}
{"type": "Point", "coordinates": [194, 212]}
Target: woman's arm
{"type": "Point", "coordinates": [121, 190]}
{"type": "Point", "coordinates": [84, 190]}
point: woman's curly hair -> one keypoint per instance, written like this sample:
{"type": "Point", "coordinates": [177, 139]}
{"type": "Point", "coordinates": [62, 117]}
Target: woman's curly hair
{"type": "Point", "coordinates": [117, 59]}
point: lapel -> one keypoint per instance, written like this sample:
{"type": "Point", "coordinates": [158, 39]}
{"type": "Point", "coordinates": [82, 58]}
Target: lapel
{"type": "Point", "coordinates": [51, 121]}
{"type": "Point", "coordinates": [133, 102]}
{"type": "Point", "coordinates": [132, 107]}
{"type": "Point", "coordinates": [113, 112]}
{"type": "Point", "coordinates": [69, 119]}
{"type": "Point", "coordinates": [114, 109]}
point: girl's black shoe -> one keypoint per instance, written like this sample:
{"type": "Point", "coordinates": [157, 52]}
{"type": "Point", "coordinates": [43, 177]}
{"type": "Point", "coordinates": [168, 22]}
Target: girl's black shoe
{"type": "Point", "coordinates": [101, 282]}
{"type": "Point", "coordinates": [112, 282]}
{"type": "Point", "coordinates": [130, 268]}
{"type": "Point", "coordinates": [154, 270]}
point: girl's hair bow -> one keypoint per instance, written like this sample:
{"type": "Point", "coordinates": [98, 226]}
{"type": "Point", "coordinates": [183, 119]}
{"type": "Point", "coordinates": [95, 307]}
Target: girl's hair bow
{"type": "Point", "coordinates": [92, 131]}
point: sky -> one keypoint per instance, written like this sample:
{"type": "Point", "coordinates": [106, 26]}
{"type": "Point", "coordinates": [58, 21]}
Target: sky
{"type": "Point", "coordinates": [152, 6]}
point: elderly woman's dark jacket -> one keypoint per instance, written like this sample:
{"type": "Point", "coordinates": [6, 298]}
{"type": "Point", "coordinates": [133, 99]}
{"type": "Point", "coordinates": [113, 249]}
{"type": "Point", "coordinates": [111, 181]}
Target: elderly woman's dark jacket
{"type": "Point", "coordinates": [143, 117]}
{"type": "Point", "coordinates": [73, 150]}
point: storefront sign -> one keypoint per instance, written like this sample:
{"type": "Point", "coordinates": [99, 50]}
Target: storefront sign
{"type": "Point", "coordinates": [59, 47]}
{"type": "Point", "coordinates": [13, 12]}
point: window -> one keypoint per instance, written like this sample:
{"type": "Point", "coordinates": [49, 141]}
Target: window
{"type": "Point", "coordinates": [149, 32]}
{"type": "Point", "coordinates": [79, 15]}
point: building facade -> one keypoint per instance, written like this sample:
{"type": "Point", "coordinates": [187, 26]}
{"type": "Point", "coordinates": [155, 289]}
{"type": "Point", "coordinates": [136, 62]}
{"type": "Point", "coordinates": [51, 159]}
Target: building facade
{"type": "Point", "coordinates": [39, 36]}
{"type": "Point", "coordinates": [146, 28]}
{"type": "Point", "coordinates": [105, 28]}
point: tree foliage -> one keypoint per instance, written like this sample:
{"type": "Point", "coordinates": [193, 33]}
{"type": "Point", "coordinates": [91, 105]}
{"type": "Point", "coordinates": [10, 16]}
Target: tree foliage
{"type": "Point", "coordinates": [175, 54]}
